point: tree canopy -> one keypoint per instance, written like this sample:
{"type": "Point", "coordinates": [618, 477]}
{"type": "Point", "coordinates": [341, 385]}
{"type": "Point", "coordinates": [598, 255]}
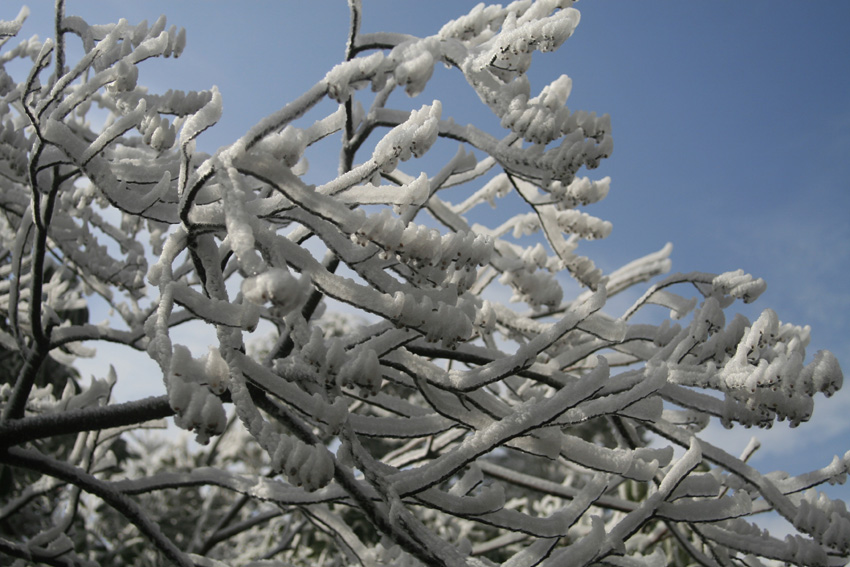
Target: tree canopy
{"type": "Point", "coordinates": [393, 376]}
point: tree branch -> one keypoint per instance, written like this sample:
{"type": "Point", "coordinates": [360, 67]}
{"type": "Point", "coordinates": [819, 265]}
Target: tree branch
{"type": "Point", "coordinates": [32, 460]}
{"type": "Point", "coordinates": [19, 431]}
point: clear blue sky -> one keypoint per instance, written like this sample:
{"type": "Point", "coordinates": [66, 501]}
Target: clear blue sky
{"type": "Point", "coordinates": [731, 127]}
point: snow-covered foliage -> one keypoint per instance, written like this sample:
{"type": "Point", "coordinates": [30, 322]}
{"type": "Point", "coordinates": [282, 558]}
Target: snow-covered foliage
{"type": "Point", "coordinates": [430, 421]}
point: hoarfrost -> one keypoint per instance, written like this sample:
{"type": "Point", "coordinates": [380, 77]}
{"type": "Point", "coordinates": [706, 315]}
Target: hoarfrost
{"type": "Point", "coordinates": [395, 392]}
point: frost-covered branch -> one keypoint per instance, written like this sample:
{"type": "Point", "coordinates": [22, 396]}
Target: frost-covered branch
{"type": "Point", "coordinates": [371, 396]}
{"type": "Point", "coordinates": [20, 431]}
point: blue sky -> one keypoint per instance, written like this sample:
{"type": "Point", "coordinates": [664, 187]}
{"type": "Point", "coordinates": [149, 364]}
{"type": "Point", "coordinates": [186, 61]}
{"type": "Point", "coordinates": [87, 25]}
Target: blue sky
{"type": "Point", "coordinates": [731, 126]}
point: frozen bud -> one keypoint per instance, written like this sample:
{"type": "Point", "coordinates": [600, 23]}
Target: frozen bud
{"type": "Point", "coordinates": [764, 330]}
{"type": "Point", "coordinates": [419, 190]}
{"type": "Point", "coordinates": [486, 317]}
{"type": "Point", "coordinates": [454, 325]}
{"type": "Point", "coordinates": [740, 285]}
{"type": "Point", "coordinates": [554, 95]}
{"type": "Point", "coordinates": [823, 374]}
{"type": "Point", "coordinates": [364, 371]}
{"type": "Point", "coordinates": [535, 288]}
{"type": "Point", "coordinates": [278, 445]}
{"type": "Point", "coordinates": [426, 134]}
{"type": "Point", "coordinates": [157, 132]}
{"type": "Point", "coordinates": [287, 145]}
{"type": "Point", "coordinates": [583, 225]}
{"type": "Point", "coordinates": [296, 459]}
{"type": "Point", "coordinates": [583, 191]}
{"type": "Point", "coordinates": [412, 137]}
{"type": "Point", "coordinates": [182, 363]}
{"type": "Point", "coordinates": [414, 73]}
{"type": "Point", "coordinates": [277, 286]}
{"type": "Point", "coordinates": [196, 409]}
{"type": "Point", "coordinates": [534, 257]}
{"type": "Point", "coordinates": [350, 74]}
{"type": "Point", "coordinates": [712, 315]}
{"type": "Point", "coordinates": [217, 372]}
{"type": "Point", "coordinates": [335, 358]}
{"type": "Point", "coordinates": [179, 395]}
{"type": "Point", "coordinates": [178, 43]}
{"type": "Point", "coordinates": [317, 471]}
{"type": "Point", "coordinates": [212, 420]}
{"type": "Point", "coordinates": [335, 415]}
{"type": "Point", "coordinates": [315, 349]}
{"type": "Point", "coordinates": [126, 75]}
{"type": "Point", "coordinates": [163, 136]}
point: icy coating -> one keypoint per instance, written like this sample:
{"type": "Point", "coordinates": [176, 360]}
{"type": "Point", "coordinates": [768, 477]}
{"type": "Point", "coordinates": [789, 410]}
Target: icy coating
{"type": "Point", "coordinates": [464, 406]}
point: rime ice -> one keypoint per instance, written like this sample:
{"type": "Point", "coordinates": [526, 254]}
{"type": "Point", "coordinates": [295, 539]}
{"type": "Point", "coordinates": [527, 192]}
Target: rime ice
{"type": "Point", "coordinates": [381, 373]}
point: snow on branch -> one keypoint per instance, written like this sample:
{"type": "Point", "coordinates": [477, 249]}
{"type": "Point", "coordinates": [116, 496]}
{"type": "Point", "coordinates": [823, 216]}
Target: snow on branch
{"type": "Point", "coordinates": [375, 369]}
